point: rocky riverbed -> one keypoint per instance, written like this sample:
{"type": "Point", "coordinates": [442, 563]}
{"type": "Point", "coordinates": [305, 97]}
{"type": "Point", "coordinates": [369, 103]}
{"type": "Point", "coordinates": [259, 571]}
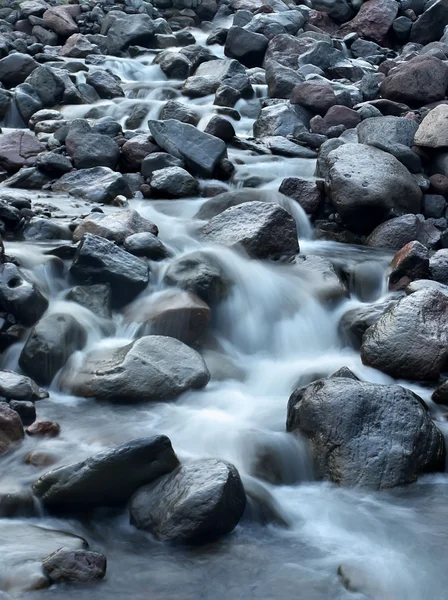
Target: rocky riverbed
{"type": "Point", "coordinates": [223, 299]}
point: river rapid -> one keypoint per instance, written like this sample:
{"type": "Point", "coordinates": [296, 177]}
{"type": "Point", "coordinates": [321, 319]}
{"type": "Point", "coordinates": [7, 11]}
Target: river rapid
{"type": "Point", "coordinates": [274, 332]}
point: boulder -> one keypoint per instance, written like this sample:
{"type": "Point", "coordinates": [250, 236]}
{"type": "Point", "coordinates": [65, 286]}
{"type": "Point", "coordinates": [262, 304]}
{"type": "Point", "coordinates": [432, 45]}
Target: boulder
{"type": "Point", "coordinates": [438, 266]}
{"type": "Point", "coordinates": [127, 30]}
{"type": "Point", "coordinates": [15, 68]}
{"type": "Point", "coordinates": [59, 20]}
{"type": "Point", "coordinates": [146, 244]}
{"type": "Point", "coordinates": [99, 184]}
{"type": "Point", "coordinates": [410, 263]}
{"type": "Point", "coordinates": [18, 149]}
{"type": "Point", "coordinates": [201, 152]}
{"type": "Point", "coordinates": [374, 20]}
{"type": "Point", "coordinates": [430, 25]}
{"type": "Point", "coordinates": [11, 428]}
{"type": "Point", "coordinates": [25, 409]}
{"type": "Point", "coordinates": [92, 150]}
{"type": "Point", "coordinates": [74, 566]}
{"type": "Point", "coordinates": [339, 10]}
{"type": "Point", "coordinates": [197, 503]}
{"type": "Point", "coordinates": [158, 160]}
{"type": "Point", "coordinates": [44, 429]}
{"type": "Point", "coordinates": [152, 368]}
{"type": "Point", "coordinates": [410, 340]}
{"type": "Point", "coordinates": [116, 226]}
{"type": "Point", "coordinates": [19, 296]}
{"type": "Point", "coordinates": [52, 164]}
{"type": "Point", "coordinates": [263, 230]}
{"type": "Point", "coordinates": [50, 344]}
{"type": "Point", "coordinates": [382, 132]}
{"type": "Point", "coordinates": [179, 111]}
{"type": "Point", "coordinates": [48, 84]}
{"type": "Point", "coordinates": [303, 191]}
{"type": "Point", "coordinates": [135, 150]}
{"type": "Point", "coordinates": [368, 186]}
{"type": "Point", "coordinates": [19, 387]}
{"type": "Point", "coordinates": [366, 434]}
{"type": "Point", "coordinates": [279, 120]}
{"type": "Point", "coordinates": [317, 96]}
{"type": "Point", "coordinates": [221, 128]}
{"type": "Point", "coordinates": [398, 232]}
{"type": "Point", "coordinates": [105, 84]}
{"type": "Point", "coordinates": [173, 182]}
{"type": "Point", "coordinates": [246, 46]}
{"type": "Point", "coordinates": [433, 130]}
{"type": "Point", "coordinates": [173, 313]}
{"type": "Point", "coordinates": [96, 297]}
{"type": "Point", "coordinates": [355, 322]}
{"type": "Point", "coordinates": [212, 74]}
{"type": "Point", "coordinates": [100, 261]}
{"type": "Point", "coordinates": [281, 80]}
{"type": "Point", "coordinates": [416, 82]}
{"type": "Point", "coordinates": [108, 478]}
{"type": "Point", "coordinates": [78, 46]}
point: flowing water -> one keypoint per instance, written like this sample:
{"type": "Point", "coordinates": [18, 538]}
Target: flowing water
{"type": "Point", "coordinates": [273, 333]}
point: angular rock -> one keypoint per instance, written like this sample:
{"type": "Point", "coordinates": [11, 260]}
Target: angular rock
{"type": "Point", "coordinates": [146, 244]}
{"type": "Point", "coordinates": [108, 478]}
{"type": "Point", "coordinates": [198, 502]}
{"type": "Point", "coordinates": [438, 266]}
{"type": "Point", "coordinates": [11, 428]}
{"type": "Point", "coordinates": [247, 47]}
{"type": "Point", "coordinates": [98, 260]}
{"type": "Point", "coordinates": [262, 230]}
{"type": "Point", "coordinates": [15, 68]}
{"type": "Point", "coordinates": [305, 192]}
{"type": "Point", "coordinates": [433, 130]}
{"type": "Point", "coordinates": [26, 411]}
{"type": "Point", "coordinates": [18, 149]}
{"type": "Point", "coordinates": [365, 434]}
{"type": "Point", "coordinates": [134, 151]}
{"type": "Point", "coordinates": [19, 387]}
{"type": "Point", "coordinates": [339, 10]}
{"type": "Point", "coordinates": [430, 26]}
{"type": "Point", "coordinates": [99, 184]}
{"type": "Point", "coordinates": [105, 84]}
{"type": "Point", "coordinates": [410, 340]}
{"type": "Point", "coordinates": [181, 112]}
{"type": "Point", "coordinates": [279, 120]}
{"type": "Point", "coordinates": [96, 297]}
{"type": "Point", "coordinates": [158, 160]}
{"type": "Point", "coordinates": [74, 566]}
{"type": "Point", "coordinates": [47, 84]}
{"type": "Point", "coordinates": [19, 296]}
{"type": "Point", "coordinates": [410, 263]}
{"type": "Point", "coordinates": [59, 20]}
{"type": "Point", "coordinates": [115, 227]}
{"type": "Point", "coordinates": [173, 182]}
{"type": "Point", "coordinates": [153, 368]}
{"type": "Point", "coordinates": [93, 150]}
{"type": "Point", "coordinates": [374, 20]}
{"type": "Point", "coordinates": [52, 164]}
{"type": "Point", "coordinates": [317, 96]}
{"type": "Point", "coordinates": [127, 30]}
{"type": "Point", "coordinates": [398, 232]}
{"type": "Point", "coordinates": [78, 46]}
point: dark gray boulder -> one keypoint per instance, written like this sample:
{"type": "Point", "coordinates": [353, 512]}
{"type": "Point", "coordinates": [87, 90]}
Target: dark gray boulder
{"type": "Point", "coordinates": [355, 322]}
{"type": "Point", "coordinates": [146, 244]}
{"type": "Point", "coordinates": [15, 68]}
{"type": "Point", "coordinates": [152, 368]}
{"type": "Point", "coordinates": [398, 232]}
{"type": "Point", "coordinates": [115, 227]}
{"type": "Point", "coordinates": [246, 46]}
{"type": "Point", "coordinates": [19, 387]}
{"type": "Point", "coordinates": [365, 434]}
{"type": "Point", "coordinates": [11, 428]}
{"type": "Point", "coordinates": [383, 131]}
{"type": "Point", "coordinates": [197, 503]}
{"type": "Point", "coordinates": [47, 84]}
{"type": "Point", "coordinates": [74, 566]}
{"type": "Point", "coordinates": [105, 84]}
{"type": "Point", "coordinates": [92, 150]}
{"type": "Point", "coordinates": [96, 297]}
{"type": "Point", "coordinates": [49, 345]}
{"type": "Point", "coordinates": [173, 182]}
{"type": "Point", "coordinates": [410, 340]}
{"type": "Point", "coordinates": [99, 184]}
{"type": "Point", "coordinates": [126, 30]}
{"type": "Point", "coordinates": [108, 478]}
{"type": "Point", "coordinates": [19, 296]}
{"type": "Point", "coordinates": [158, 160]}
{"type": "Point", "coordinates": [98, 260]}
{"type": "Point", "coordinates": [430, 26]}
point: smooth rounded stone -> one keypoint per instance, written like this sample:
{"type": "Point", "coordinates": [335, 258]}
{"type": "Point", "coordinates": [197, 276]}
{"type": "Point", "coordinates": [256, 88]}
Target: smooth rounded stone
{"type": "Point", "coordinates": [398, 232]}
{"type": "Point", "coordinates": [46, 229]}
{"type": "Point", "coordinates": [342, 115]}
{"type": "Point", "coordinates": [108, 478]}
{"type": "Point", "coordinates": [48, 85]}
{"type": "Point", "coordinates": [402, 28]}
{"type": "Point", "coordinates": [410, 340]}
{"type": "Point", "coordinates": [263, 230]}
{"type": "Point", "coordinates": [40, 459]}
{"type": "Point", "coordinates": [434, 206]}
{"type": "Point", "coordinates": [95, 297]}
{"type": "Point", "coordinates": [108, 126]}
{"type": "Point", "coordinates": [304, 191]}
{"type": "Point", "coordinates": [116, 226]}
{"type": "Point", "coordinates": [355, 322]}
{"type": "Point", "coordinates": [200, 274]}
{"type": "Point", "coordinates": [433, 130]}
{"type": "Point", "coordinates": [93, 150]}
{"type": "Point", "coordinates": [127, 30]}
{"type": "Point", "coordinates": [173, 313]}
{"type": "Point", "coordinates": [439, 184]}
{"type": "Point", "coordinates": [105, 84]}
{"type": "Point", "coordinates": [410, 263]}
{"type": "Point", "coordinates": [197, 503]}
{"type": "Point", "coordinates": [219, 203]}
{"type": "Point", "coordinates": [383, 131]}
{"type": "Point", "coordinates": [157, 161]}
{"type": "Point", "coordinates": [246, 46]}
{"type": "Point", "coordinates": [366, 434]}
{"type": "Point", "coordinates": [146, 244]}
{"type": "Point", "coordinates": [19, 149]}
{"type": "Point", "coordinates": [425, 284]}
{"type": "Point", "coordinates": [44, 429]}
{"type": "Point", "coordinates": [28, 178]}
{"type": "Point", "coordinates": [19, 387]}
{"type": "Point", "coordinates": [438, 266]}
{"type": "Point", "coordinates": [173, 182]}
{"type": "Point", "coordinates": [74, 566]}
{"type": "Point", "coordinates": [101, 261]}
{"type": "Point", "coordinates": [17, 504]}
{"type": "Point", "coordinates": [221, 128]}
{"type": "Point", "coordinates": [179, 111]}
{"type": "Point", "coordinates": [173, 64]}
{"type": "Point", "coordinates": [19, 296]}
{"type": "Point", "coordinates": [25, 409]}
{"type": "Point", "coordinates": [278, 120]}
{"type": "Point", "coordinates": [11, 428]}
{"type": "Point", "coordinates": [153, 368]}
{"type": "Point", "coordinates": [368, 185]}
{"type": "Point", "coordinates": [49, 345]}
{"type": "Point", "coordinates": [317, 96]}
{"type": "Point", "coordinates": [99, 184]}
{"type": "Point", "coordinates": [373, 21]}
{"type": "Point", "coordinates": [416, 82]}
{"type": "Point", "coordinates": [430, 26]}
{"type": "Point", "coordinates": [15, 68]}
{"type": "Point", "coordinates": [53, 164]}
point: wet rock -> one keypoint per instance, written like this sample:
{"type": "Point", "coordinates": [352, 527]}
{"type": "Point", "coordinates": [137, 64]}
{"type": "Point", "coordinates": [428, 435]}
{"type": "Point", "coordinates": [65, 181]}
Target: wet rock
{"type": "Point", "coordinates": [11, 428]}
{"type": "Point", "coordinates": [374, 20]}
{"type": "Point", "coordinates": [127, 30]}
{"type": "Point", "coordinates": [25, 409]}
{"type": "Point", "coordinates": [47, 84]}
{"type": "Point", "coordinates": [279, 119]}
{"type": "Point", "coordinates": [200, 151]}
{"type": "Point", "coordinates": [199, 273]}
{"type": "Point", "coordinates": [368, 185]}
{"type": "Point", "coordinates": [15, 68]}
{"type": "Point", "coordinates": [355, 322]}
{"type": "Point", "coordinates": [44, 429]}
{"type": "Point", "coordinates": [92, 483]}
{"type": "Point", "coordinates": [419, 81]}
{"type": "Point", "coordinates": [75, 566]}
{"type": "Point", "coordinates": [96, 298]}
{"type": "Point", "coordinates": [382, 132]}
{"type": "Point", "coordinates": [19, 296]}
{"type": "Point", "coordinates": [173, 313]}
{"type": "Point", "coordinates": [18, 149]}
{"type": "Point", "coordinates": [78, 46]}
{"type": "Point", "coordinates": [305, 192]}
{"type": "Point", "coordinates": [219, 203]}
{"type": "Point", "coordinates": [398, 232]}
{"type": "Point", "coordinates": [173, 64]}
{"type": "Point", "coordinates": [246, 46]}
{"type": "Point", "coordinates": [105, 84]}
{"type": "Point", "coordinates": [342, 115]}
{"type": "Point", "coordinates": [326, 282]}
{"type": "Point", "coordinates": [220, 128]}
{"type": "Point", "coordinates": [410, 340]}
{"type": "Point", "coordinates": [181, 112]}
{"type": "Point", "coordinates": [440, 395]}
{"type": "Point", "coordinates": [17, 504]}
{"type": "Point", "coordinates": [434, 206]}
{"type": "Point", "coordinates": [317, 96]}
{"type": "Point", "coordinates": [115, 227]}
{"type": "Point", "coordinates": [50, 344]}
{"type": "Point", "coordinates": [433, 131]}
{"type": "Point", "coordinates": [173, 182]}
{"type": "Point", "coordinates": [146, 244]}
{"type": "Point", "coordinates": [430, 26]}
{"type": "Point", "coordinates": [40, 459]}
{"type": "Point", "coordinates": [59, 20]}
{"type": "Point", "coordinates": [19, 387]}
{"type": "Point", "coordinates": [40, 229]}
{"type": "Point", "coordinates": [438, 266]}
{"type": "Point", "coordinates": [261, 229]}
{"type": "Point", "coordinates": [134, 151]}
{"type": "Point", "coordinates": [384, 436]}
{"type": "Point", "coordinates": [410, 263]}
{"type": "Point", "coordinates": [99, 184]}
{"type": "Point", "coordinates": [93, 150]}
{"type": "Point", "coordinates": [280, 146]}
{"type": "Point", "coordinates": [198, 502]}
{"type": "Point", "coordinates": [281, 80]}
{"type": "Point", "coordinates": [101, 261]}
{"type": "Point", "coordinates": [426, 284]}
{"type": "Point", "coordinates": [52, 164]}
{"type": "Point", "coordinates": [216, 73]}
